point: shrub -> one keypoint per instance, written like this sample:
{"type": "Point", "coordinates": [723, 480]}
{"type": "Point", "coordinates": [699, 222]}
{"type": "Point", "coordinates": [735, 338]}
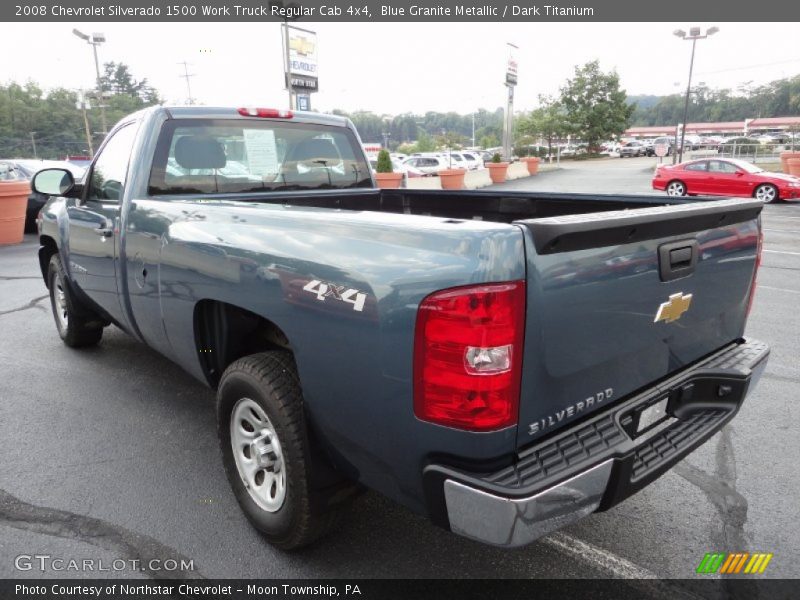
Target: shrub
{"type": "Point", "coordinates": [384, 164]}
{"type": "Point", "coordinates": [740, 145]}
{"type": "Point", "coordinates": [496, 158]}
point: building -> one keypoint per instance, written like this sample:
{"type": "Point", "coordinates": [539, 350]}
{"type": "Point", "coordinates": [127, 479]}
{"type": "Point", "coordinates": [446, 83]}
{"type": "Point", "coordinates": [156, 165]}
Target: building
{"type": "Point", "coordinates": [728, 129]}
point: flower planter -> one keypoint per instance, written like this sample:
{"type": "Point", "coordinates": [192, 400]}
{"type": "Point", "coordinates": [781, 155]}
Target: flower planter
{"type": "Point", "coordinates": [389, 181]}
{"type": "Point", "coordinates": [785, 156]}
{"type": "Point", "coordinates": [13, 202]}
{"type": "Point", "coordinates": [497, 171]}
{"type": "Point", "coordinates": [532, 163]}
{"type": "Point", "coordinates": [793, 166]}
{"type": "Point", "coordinates": [452, 179]}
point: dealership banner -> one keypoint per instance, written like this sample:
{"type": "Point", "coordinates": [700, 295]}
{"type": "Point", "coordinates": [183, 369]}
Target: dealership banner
{"type": "Point", "coordinates": [415, 11]}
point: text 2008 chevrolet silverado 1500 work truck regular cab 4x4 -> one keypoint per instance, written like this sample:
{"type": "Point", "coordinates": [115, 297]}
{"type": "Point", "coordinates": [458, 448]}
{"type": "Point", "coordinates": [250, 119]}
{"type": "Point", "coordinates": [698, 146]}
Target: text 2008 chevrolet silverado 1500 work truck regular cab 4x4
{"type": "Point", "coordinates": [504, 363]}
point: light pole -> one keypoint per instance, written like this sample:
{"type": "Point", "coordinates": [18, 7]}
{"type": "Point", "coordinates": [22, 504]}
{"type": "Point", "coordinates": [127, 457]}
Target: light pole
{"type": "Point", "coordinates": [695, 33]}
{"type": "Point", "coordinates": [94, 41]}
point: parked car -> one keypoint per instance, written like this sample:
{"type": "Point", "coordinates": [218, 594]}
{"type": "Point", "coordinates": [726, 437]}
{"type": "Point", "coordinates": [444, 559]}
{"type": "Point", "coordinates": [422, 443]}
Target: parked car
{"type": "Point", "coordinates": [26, 169]}
{"type": "Point", "coordinates": [430, 165]}
{"type": "Point", "coordinates": [632, 149]}
{"type": "Point", "coordinates": [725, 177]}
{"type": "Point", "coordinates": [407, 341]}
{"type": "Point", "coordinates": [669, 141]}
{"type": "Point", "coordinates": [399, 167]}
{"type": "Point", "coordinates": [455, 160]}
{"type": "Point", "coordinates": [473, 160]}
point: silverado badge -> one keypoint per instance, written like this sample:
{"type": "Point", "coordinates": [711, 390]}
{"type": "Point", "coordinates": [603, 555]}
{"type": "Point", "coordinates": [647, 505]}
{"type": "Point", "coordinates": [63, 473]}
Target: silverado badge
{"type": "Point", "coordinates": [673, 309]}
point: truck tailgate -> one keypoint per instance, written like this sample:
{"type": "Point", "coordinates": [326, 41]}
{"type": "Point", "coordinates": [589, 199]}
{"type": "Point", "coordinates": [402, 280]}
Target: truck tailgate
{"type": "Point", "coordinates": [619, 300]}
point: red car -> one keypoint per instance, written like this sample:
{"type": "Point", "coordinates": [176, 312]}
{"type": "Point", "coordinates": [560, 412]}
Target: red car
{"type": "Point", "coordinates": [725, 177]}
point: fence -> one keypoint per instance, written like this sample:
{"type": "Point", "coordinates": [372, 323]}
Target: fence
{"type": "Point", "coordinates": [754, 152]}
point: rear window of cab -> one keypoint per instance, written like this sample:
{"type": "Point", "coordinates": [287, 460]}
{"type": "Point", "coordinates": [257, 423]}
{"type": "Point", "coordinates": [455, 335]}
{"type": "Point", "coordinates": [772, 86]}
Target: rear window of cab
{"type": "Point", "coordinates": [205, 156]}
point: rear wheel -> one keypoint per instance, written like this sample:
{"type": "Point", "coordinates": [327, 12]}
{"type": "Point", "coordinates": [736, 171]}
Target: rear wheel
{"type": "Point", "coordinates": [676, 188]}
{"type": "Point", "coordinates": [266, 450]}
{"type": "Point", "coordinates": [766, 192]}
{"type": "Point", "coordinates": [77, 325]}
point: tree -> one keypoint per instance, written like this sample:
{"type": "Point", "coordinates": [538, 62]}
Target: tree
{"type": "Point", "coordinates": [54, 119]}
{"type": "Point", "coordinates": [118, 80]}
{"type": "Point", "coordinates": [595, 105]}
{"type": "Point", "coordinates": [425, 143]}
{"type": "Point", "coordinates": [549, 122]}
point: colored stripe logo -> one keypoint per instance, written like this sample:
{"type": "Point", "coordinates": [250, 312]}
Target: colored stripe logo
{"type": "Point", "coordinates": [734, 563]}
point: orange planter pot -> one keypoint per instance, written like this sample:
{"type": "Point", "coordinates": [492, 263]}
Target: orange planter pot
{"type": "Point", "coordinates": [13, 202]}
{"type": "Point", "coordinates": [793, 165]}
{"type": "Point", "coordinates": [785, 156]}
{"type": "Point", "coordinates": [533, 164]}
{"type": "Point", "coordinates": [389, 181]}
{"type": "Point", "coordinates": [452, 179]}
{"type": "Point", "coordinates": [497, 171]}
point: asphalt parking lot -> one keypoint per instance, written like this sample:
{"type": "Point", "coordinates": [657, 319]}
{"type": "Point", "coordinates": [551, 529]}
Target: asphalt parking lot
{"type": "Point", "coordinates": [112, 453]}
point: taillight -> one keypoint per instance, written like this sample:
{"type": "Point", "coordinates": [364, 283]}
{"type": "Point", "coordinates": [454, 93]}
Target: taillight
{"type": "Point", "coordinates": [267, 113]}
{"type": "Point", "coordinates": [468, 356]}
{"type": "Point", "coordinates": [755, 270]}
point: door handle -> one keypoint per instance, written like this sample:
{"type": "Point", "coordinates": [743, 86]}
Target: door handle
{"type": "Point", "coordinates": [104, 231]}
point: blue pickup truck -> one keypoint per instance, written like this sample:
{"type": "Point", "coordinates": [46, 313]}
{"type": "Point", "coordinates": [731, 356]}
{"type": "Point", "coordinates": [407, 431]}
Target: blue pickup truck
{"type": "Point", "coordinates": [504, 363]}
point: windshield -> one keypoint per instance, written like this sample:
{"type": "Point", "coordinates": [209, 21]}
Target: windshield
{"type": "Point", "coordinates": [205, 156]}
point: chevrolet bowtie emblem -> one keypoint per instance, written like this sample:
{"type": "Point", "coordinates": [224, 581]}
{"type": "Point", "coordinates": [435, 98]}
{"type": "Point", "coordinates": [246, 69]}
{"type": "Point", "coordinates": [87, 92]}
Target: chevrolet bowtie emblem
{"type": "Point", "coordinates": [301, 45]}
{"type": "Point", "coordinates": [673, 309]}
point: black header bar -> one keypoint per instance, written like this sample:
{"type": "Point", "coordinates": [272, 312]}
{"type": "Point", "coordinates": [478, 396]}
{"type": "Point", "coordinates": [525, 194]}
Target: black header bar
{"type": "Point", "coordinates": [412, 11]}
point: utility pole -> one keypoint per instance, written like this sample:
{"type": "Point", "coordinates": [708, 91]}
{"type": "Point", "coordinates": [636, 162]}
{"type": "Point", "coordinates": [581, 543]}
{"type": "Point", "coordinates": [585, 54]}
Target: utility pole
{"type": "Point", "coordinates": [473, 130]}
{"type": "Point", "coordinates": [186, 75]}
{"type": "Point", "coordinates": [33, 143]}
{"type": "Point", "coordinates": [508, 122]}
{"type": "Point", "coordinates": [82, 106]}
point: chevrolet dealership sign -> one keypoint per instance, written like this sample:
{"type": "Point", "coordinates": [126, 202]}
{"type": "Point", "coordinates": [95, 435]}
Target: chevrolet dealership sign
{"type": "Point", "coordinates": [302, 58]}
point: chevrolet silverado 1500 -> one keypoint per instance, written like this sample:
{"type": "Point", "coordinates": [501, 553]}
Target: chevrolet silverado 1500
{"type": "Point", "coordinates": [504, 363]}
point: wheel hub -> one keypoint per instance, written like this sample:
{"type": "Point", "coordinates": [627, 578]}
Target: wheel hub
{"type": "Point", "coordinates": [258, 455]}
{"type": "Point", "coordinates": [266, 451]}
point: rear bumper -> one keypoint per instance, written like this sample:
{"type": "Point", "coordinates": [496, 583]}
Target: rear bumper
{"type": "Point", "coordinates": [597, 463]}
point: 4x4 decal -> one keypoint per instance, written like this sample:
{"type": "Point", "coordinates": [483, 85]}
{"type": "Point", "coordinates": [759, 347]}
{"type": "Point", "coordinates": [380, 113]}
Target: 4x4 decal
{"type": "Point", "coordinates": [324, 290]}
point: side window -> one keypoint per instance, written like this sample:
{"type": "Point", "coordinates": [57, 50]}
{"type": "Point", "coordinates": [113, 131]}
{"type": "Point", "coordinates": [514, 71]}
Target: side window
{"type": "Point", "coordinates": [700, 166]}
{"type": "Point", "coordinates": [107, 181]}
{"type": "Point", "coordinates": [718, 166]}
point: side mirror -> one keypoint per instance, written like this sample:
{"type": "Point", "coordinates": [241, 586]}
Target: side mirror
{"type": "Point", "coordinates": [53, 182]}
{"type": "Point", "coordinates": [739, 173]}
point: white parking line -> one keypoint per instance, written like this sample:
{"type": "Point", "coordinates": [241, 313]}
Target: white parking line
{"type": "Point", "coordinates": [782, 252]}
{"type": "Point", "coordinates": [769, 287]}
{"type": "Point", "coordinates": [607, 561]}
{"type": "Point", "coordinates": [617, 567]}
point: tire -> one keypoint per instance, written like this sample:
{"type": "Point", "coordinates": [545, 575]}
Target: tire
{"type": "Point", "coordinates": [266, 450]}
{"type": "Point", "coordinates": [767, 193]}
{"type": "Point", "coordinates": [676, 188]}
{"type": "Point", "coordinates": [77, 325]}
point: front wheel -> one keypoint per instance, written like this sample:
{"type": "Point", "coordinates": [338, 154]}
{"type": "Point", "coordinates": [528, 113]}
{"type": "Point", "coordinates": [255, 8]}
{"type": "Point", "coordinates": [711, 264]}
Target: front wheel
{"type": "Point", "coordinates": [676, 188]}
{"type": "Point", "coordinates": [266, 450]}
{"type": "Point", "coordinates": [766, 192]}
{"type": "Point", "coordinates": [77, 325]}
